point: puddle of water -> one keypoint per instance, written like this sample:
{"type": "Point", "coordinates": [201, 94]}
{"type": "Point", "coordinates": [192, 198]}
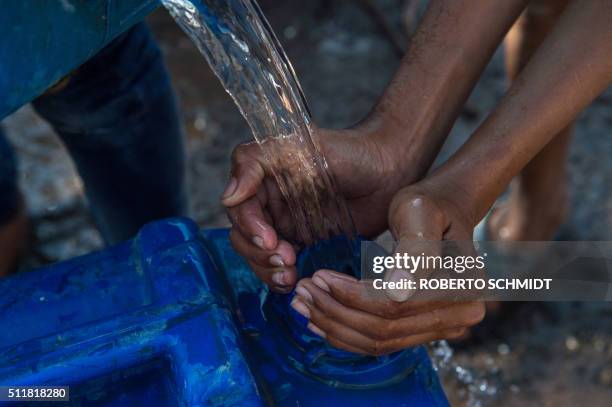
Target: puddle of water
{"type": "Point", "coordinates": [243, 51]}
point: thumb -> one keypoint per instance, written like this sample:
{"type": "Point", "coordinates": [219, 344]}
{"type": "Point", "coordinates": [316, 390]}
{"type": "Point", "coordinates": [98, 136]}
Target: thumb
{"type": "Point", "coordinates": [415, 215]}
{"type": "Point", "coordinates": [247, 171]}
{"type": "Point", "coordinates": [418, 224]}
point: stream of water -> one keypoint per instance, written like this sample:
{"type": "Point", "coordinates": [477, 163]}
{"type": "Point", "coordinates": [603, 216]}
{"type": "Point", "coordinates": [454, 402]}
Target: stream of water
{"type": "Point", "coordinates": [242, 50]}
{"type": "Point", "coordinates": [244, 53]}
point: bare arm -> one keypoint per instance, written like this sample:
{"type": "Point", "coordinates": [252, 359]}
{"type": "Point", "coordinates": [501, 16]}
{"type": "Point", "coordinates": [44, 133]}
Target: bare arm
{"type": "Point", "coordinates": [446, 56]}
{"type": "Point", "coordinates": [393, 147]}
{"type": "Point", "coordinates": [570, 69]}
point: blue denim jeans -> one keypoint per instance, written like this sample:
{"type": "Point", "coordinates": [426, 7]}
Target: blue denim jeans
{"type": "Point", "coordinates": [119, 121]}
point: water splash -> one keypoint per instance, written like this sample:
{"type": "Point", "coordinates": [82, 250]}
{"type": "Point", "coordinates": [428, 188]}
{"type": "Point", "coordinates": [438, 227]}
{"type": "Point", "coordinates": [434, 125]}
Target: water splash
{"type": "Point", "coordinates": [481, 389]}
{"type": "Point", "coordinates": [244, 53]}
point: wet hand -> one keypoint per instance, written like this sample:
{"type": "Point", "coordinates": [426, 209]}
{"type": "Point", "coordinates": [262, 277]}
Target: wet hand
{"type": "Point", "coordinates": [346, 312]}
{"type": "Point", "coordinates": [365, 170]}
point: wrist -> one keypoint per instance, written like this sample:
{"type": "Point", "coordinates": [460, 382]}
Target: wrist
{"type": "Point", "coordinates": [404, 148]}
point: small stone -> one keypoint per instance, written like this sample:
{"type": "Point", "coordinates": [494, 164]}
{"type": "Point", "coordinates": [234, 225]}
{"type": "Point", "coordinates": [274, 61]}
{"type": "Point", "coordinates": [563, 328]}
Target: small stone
{"type": "Point", "coordinates": [599, 345]}
{"type": "Point", "coordinates": [571, 343]}
{"type": "Point", "coordinates": [605, 376]}
{"type": "Point", "coordinates": [503, 349]}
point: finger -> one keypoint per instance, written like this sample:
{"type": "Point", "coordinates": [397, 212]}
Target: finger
{"type": "Point", "coordinates": [279, 279]}
{"type": "Point", "coordinates": [355, 294]}
{"type": "Point", "coordinates": [419, 224]}
{"type": "Point", "coordinates": [278, 209]}
{"type": "Point", "coordinates": [262, 262]}
{"type": "Point", "coordinates": [250, 220]}
{"type": "Point", "coordinates": [281, 256]}
{"type": "Point", "coordinates": [395, 345]}
{"type": "Point", "coordinates": [248, 172]}
{"type": "Point", "coordinates": [334, 318]}
{"type": "Point", "coordinates": [378, 348]}
{"type": "Point", "coordinates": [420, 249]}
{"type": "Point", "coordinates": [337, 343]}
{"type": "Point", "coordinates": [413, 215]}
{"type": "Point", "coordinates": [374, 327]}
{"type": "Point", "coordinates": [347, 338]}
{"type": "Point", "coordinates": [328, 328]}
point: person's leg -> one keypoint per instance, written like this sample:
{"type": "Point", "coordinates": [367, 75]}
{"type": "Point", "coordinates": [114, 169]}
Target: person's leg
{"type": "Point", "coordinates": [13, 218]}
{"type": "Point", "coordinates": [538, 200]}
{"type": "Point", "coordinates": [118, 118]}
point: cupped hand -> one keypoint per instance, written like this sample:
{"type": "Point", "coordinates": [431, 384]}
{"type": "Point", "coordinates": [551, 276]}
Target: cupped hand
{"type": "Point", "coordinates": [366, 171]}
{"type": "Point", "coordinates": [345, 312]}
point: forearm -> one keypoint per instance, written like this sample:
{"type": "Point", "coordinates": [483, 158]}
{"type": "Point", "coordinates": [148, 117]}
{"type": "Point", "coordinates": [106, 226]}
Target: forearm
{"type": "Point", "coordinates": [445, 58]}
{"type": "Point", "coordinates": [571, 67]}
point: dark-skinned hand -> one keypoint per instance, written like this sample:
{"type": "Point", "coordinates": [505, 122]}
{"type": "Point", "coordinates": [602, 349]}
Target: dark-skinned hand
{"type": "Point", "coordinates": [365, 170]}
{"type": "Point", "coordinates": [343, 310]}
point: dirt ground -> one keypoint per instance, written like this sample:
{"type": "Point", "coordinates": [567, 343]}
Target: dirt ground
{"type": "Point", "coordinates": [544, 354]}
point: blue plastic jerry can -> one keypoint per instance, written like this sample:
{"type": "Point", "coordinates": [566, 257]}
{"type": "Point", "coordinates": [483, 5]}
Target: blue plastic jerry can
{"type": "Point", "coordinates": [175, 317]}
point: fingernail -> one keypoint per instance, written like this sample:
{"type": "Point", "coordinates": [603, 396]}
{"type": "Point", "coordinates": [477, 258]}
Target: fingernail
{"type": "Point", "coordinates": [399, 275]}
{"type": "Point", "coordinates": [319, 282]}
{"type": "Point", "coordinates": [258, 241]}
{"type": "Point", "coordinates": [300, 308]}
{"type": "Point", "coordinates": [399, 295]}
{"type": "Point", "coordinates": [278, 278]}
{"type": "Point", "coordinates": [304, 293]}
{"type": "Point", "coordinates": [281, 290]}
{"type": "Point", "coordinates": [231, 188]}
{"type": "Point", "coordinates": [276, 260]}
{"type": "Point", "coordinates": [315, 329]}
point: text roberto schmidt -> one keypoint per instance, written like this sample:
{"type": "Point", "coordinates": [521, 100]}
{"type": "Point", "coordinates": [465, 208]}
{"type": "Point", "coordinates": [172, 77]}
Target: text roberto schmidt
{"type": "Point", "coordinates": [461, 266]}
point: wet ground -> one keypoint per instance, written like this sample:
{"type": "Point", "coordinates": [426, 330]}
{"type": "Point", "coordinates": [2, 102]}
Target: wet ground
{"type": "Point", "coordinates": [544, 354]}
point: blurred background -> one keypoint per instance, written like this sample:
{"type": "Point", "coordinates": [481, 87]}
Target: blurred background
{"type": "Point", "coordinates": [345, 52]}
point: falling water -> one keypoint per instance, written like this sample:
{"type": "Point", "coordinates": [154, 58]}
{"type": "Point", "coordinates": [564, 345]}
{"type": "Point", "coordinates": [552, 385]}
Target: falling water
{"type": "Point", "coordinates": [244, 53]}
{"type": "Point", "coordinates": [246, 56]}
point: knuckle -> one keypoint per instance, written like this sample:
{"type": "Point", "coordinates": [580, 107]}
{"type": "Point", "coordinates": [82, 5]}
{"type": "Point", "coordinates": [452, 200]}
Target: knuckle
{"type": "Point", "coordinates": [407, 198]}
{"type": "Point", "coordinates": [240, 152]}
{"type": "Point", "coordinates": [412, 198]}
